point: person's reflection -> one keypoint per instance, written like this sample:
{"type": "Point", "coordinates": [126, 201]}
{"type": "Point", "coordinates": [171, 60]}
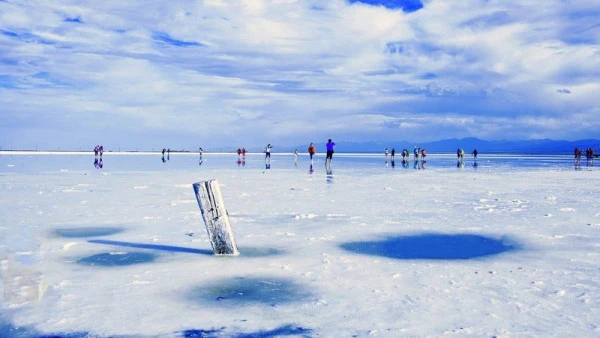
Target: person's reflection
{"type": "Point", "coordinates": [267, 165]}
{"type": "Point", "coordinates": [329, 176]}
{"type": "Point", "coordinates": [416, 164]}
{"type": "Point", "coordinates": [101, 163]}
{"type": "Point", "coordinates": [96, 163]}
{"type": "Point", "coordinates": [423, 164]}
{"type": "Point", "coordinates": [393, 164]}
{"type": "Point", "coordinates": [310, 169]}
{"type": "Point", "coordinates": [163, 159]}
{"type": "Point", "coordinates": [200, 160]}
{"type": "Point", "coordinates": [475, 165]}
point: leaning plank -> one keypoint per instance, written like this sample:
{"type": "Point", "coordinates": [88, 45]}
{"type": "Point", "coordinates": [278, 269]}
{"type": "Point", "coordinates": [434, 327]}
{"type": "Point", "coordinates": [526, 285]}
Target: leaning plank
{"type": "Point", "coordinates": [215, 217]}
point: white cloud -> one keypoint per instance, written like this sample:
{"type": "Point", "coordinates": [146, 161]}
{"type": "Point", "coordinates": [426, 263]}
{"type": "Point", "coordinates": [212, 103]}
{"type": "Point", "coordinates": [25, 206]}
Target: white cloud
{"type": "Point", "coordinates": [253, 70]}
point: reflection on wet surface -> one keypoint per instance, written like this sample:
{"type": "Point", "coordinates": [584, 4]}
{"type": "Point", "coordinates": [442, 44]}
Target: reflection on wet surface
{"type": "Point", "coordinates": [433, 246]}
{"type": "Point", "coordinates": [250, 290]}
{"type": "Point", "coordinates": [87, 232]}
{"type": "Point", "coordinates": [117, 259]}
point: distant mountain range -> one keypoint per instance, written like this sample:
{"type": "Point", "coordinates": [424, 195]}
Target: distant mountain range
{"type": "Point", "coordinates": [543, 146]}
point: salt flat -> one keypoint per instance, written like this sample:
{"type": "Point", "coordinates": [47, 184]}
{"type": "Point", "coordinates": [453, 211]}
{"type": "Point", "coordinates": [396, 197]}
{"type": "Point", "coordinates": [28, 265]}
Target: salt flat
{"type": "Point", "coordinates": [363, 252]}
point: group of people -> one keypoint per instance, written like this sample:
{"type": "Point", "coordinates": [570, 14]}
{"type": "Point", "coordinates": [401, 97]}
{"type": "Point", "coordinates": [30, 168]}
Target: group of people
{"type": "Point", "coordinates": [589, 155]}
{"type": "Point", "coordinates": [405, 153]}
{"type": "Point", "coordinates": [98, 151]}
{"type": "Point", "coordinates": [312, 150]}
{"type": "Point", "coordinates": [417, 152]}
{"type": "Point", "coordinates": [168, 151]}
{"type": "Point", "coordinates": [241, 152]}
{"type": "Point", "coordinates": [460, 153]}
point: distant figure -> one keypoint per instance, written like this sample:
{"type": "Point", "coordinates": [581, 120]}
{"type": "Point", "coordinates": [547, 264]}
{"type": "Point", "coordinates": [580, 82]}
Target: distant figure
{"type": "Point", "coordinates": [164, 151]}
{"type": "Point", "coordinates": [296, 156]}
{"type": "Point", "coordinates": [330, 152]}
{"type": "Point", "coordinates": [474, 153]}
{"type": "Point", "coordinates": [416, 153]}
{"type": "Point", "coordinates": [312, 151]}
{"type": "Point", "coordinates": [404, 153]}
{"type": "Point", "coordinates": [386, 154]}
{"type": "Point", "coordinates": [200, 150]}
{"type": "Point", "coordinates": [393, 154]}
{"type": "Point", "coordinates": [577, 155]}
{"type": "Point", "coordinates": [96, 149]}
{"type": "Point", "coordinates": [268, 151]}
{"type": "Point", "coordinates": [239, 151]}
{"type": "Point", "coordinates": [462, 153]}
{"type": "Point", "coordinates": [169, 154]}
{"type": "Point", "coordinates": [243, 151]}
{"type": "Point", "coordinates": [589, 155]}
{"type": "Point", "coordinates": [101, 150]}
{"type": "Point", "coordinates": [458, 153]}
{"type": "Point", "coordinates": [423, 155]}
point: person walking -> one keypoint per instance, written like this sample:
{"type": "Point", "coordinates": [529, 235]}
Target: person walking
{"type": "Point", "coordinates": [330, 152]}
{"type": "Point", "coordinates": [312, 151]}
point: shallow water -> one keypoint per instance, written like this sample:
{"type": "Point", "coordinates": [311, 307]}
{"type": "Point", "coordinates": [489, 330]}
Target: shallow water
{"type": "Point", "coordinates": [374, 163]}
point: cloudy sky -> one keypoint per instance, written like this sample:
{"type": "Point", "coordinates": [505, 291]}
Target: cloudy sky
{"type": "Point", "coordinates": [182, 74]}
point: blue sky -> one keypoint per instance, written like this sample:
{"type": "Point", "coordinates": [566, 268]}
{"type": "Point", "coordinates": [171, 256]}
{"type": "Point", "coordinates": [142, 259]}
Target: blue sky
{"type": "Point", "coordinates": [182, 74]}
